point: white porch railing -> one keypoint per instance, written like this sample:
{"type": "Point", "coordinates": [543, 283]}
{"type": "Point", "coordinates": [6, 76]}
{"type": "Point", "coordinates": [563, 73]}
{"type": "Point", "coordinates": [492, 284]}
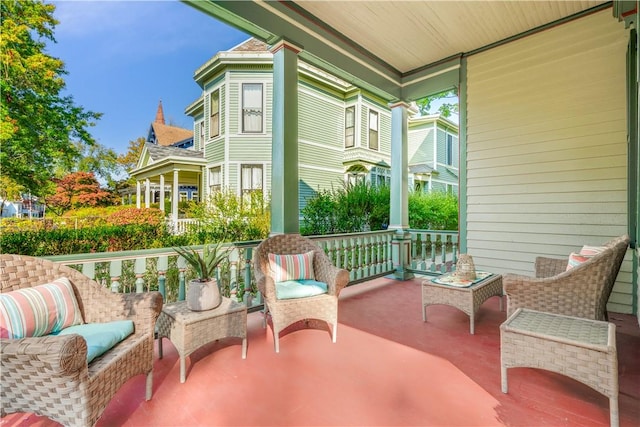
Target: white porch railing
{"type": "Point", "coordinates": [366, 255]}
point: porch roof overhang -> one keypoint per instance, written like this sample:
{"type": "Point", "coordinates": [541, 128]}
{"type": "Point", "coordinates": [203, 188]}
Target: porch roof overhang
{"type": "Point", "coordinates": [397, 50]}
{"type": "Point", "coordinates": [186, 167]}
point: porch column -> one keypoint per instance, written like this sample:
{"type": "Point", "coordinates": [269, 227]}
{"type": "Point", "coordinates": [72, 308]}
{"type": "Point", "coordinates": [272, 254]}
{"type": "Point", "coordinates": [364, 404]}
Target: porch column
{"type": "Point", "coordinates": [137, 194]}
{"type": "Point", "coordinates": [147, 192]}
{"type": "Point", "coordinates": [175, 197]}
{"type": "Point", "coordinates": [162, 192]}
{"type": "Point", "coordinates": [284, 145]}
{"type": "Point", "coordinates": [399, 215]}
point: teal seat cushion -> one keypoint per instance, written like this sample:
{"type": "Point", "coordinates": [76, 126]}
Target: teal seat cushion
{"type": "Point", "coordinates": [100, 337]}
{"type": "Point", "coordinates": [299, 289]}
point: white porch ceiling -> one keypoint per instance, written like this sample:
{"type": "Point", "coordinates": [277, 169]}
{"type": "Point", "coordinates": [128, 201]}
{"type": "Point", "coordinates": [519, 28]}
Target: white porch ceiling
{"type": "Point", "coordinates": [410, 34]}
{"type": "Point", "coordinates": [396, 49]}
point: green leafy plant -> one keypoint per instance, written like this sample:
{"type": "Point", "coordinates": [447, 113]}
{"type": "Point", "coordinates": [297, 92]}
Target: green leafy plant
{"type": "Point", "coordinates": [205, 264]}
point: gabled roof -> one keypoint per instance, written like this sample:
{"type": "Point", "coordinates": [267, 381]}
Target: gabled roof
{"type": "Point", "coordinates": [422, 168]}
{"type": "Point", "coordinates": [251, 45]}
{"type": "Point", "coordinates": [157, 152]}
{"type": "Point", "coordinates": [168, 135]}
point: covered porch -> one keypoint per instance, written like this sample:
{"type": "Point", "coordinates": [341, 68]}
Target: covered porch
{"type": "Point", "coordinates": [548, 114]}
{"type": "Point", "coordinates": [388, 367]}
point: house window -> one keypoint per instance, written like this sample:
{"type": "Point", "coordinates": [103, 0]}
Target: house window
{"type": "Point", "coordinates": [380, 176]}
{"type": "Point", "coordinates": [449, 150]}
{"type": "Point", "coordinates": [349, 126]}
{"type": "Point", "coordinates": [373, 130]}
{"type": "Point", "coordinates": [215, 179]}
{"type": "Point", "coordinates": [202, 135]}
{"type": "Point", "coordinates": [194, 196]}
{"type": "Point", "coordinates": [252, 108]}
{"type": "Point", "coordinates": [251, 178]}
{"type": "Point", "coordinates": [214, 122]}
{"type": "Point", "coordinates": [184, 196]}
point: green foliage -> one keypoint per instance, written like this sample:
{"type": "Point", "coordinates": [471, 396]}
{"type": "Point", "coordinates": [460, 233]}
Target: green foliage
{"type": "Point", "coordinates": [433, 211]}
{"type": "Point", "coordinates": [360, 207]}
{"type": "Point", "coordinates": [226, 217]}
{"type": "Point", "coordinates": [350, 208]}
{"type": "Point", "coordinates": [38, 126]}
{"type": "Point", "coordinates": [204, 265]}
{"type": "Point", "coordinates": [63, 241]}
{"type": "Point", "coordinates": [446, 109]}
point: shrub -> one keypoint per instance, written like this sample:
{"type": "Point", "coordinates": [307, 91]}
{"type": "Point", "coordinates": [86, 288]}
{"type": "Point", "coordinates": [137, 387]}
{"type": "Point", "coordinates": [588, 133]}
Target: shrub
{"type": "Point", "coordinates": [360, 207]}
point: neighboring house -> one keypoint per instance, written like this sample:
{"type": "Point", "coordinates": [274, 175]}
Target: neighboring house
{"type": "Point", "coordinates": [164, 143]}
{"type": "Point", "coordinates": [344, 132]}
{"type": "Point", "coordinates": [28, 207]}
{"type": "Point", "coordinates": [433, 151]}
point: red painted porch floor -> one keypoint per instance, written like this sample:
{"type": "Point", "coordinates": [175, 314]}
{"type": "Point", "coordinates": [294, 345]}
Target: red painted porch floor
{"type": "Point", "coordinates": [388, 368]}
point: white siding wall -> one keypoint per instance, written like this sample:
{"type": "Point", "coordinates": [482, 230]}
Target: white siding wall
{"type": "Point", "coordinates": [547, 151]}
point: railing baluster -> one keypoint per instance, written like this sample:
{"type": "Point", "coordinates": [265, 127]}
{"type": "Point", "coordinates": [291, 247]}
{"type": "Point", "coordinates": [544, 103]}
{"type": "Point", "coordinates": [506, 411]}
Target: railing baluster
{"type": "Point", "coordinates": [433, 252]}
{"type": "Point", "coordinates": [140, 267]}
{"type": "Point", "coordinates": [182, 267]}
{"type": "Point", "coordinates": [163, 265]}
{"type": "Point", "coordinates": [443, 245]}
{"type": "Point", "coordinates": [233, 271]}
{"type": "Point", "coordinates": [115, 271]}
{"type": "Point", "coordinates": [89, 270]}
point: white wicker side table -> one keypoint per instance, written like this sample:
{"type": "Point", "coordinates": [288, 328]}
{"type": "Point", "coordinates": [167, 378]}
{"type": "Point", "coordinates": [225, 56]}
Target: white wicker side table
{"type": "Point", "coordinates": [189, 330]}
{"type": "Point", "coordinates": [582, 349]}
{"type": "Point", "coordinates": [468, 299]}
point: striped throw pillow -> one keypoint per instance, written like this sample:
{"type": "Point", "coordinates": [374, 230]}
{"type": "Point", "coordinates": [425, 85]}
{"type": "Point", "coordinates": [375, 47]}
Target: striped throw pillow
{"type": "Point", "coordinates": [39, 311]}
{"type": "Point", "coordinates": [585, 254]}
{"type": "Point", "coordinates": [292, 267]}
{"type": "Point", "coordinates": [592, 250]}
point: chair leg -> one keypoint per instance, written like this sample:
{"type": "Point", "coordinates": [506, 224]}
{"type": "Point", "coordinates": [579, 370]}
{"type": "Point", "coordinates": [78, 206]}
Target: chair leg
{"type": "Point", "coordinates": [334, 333]}
{"type": "Point", "coordinates": [276, 341]}
{"type": "Point", "coordinates": [149, 385]}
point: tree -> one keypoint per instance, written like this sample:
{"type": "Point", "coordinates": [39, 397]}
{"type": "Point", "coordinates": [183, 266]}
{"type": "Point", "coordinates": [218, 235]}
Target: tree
{"type": "Point", "coordinates": [100, 160]}
{"type": "Point", "coordinates": [38, 126]}
{"type": "Point", "coordinates": [9, 190]}
{"type": "Point", "coordinates": [76, 190]}
{"type": "Point", "coordinates": [446, 108]}
{"type": "Point", "coordinates": [129, 160]}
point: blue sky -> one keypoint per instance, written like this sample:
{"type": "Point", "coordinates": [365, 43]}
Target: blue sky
{"type": "Point", "coordinates": [124, 56]}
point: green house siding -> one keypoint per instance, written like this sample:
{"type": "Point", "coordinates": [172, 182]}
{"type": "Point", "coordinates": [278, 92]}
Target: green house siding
{"type": "Point", "coordinates": [321, 120]}
{"type": "Point", "coordinates": [420, 145]}
{"type": "Point", "coordinates": [314, 179]}
{"type": "Point", "coordinates": [214, 151]}
{"type": "Point", "coordinates": [554, 177]}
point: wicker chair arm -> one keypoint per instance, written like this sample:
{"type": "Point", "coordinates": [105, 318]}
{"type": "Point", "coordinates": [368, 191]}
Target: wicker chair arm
{"type": "Point", "coordinates": [547, 267]}
{"type": "Point", "coordinates": [335, 278]}
{"type": "Point", "coordinates": [266, 286]}
{"type": "Point", "coordinates": [143, 308]}
{"type": "Point", "coordinates": [61, 355]}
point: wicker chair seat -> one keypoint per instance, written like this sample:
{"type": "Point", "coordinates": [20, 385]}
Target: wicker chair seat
{"type": "Point", "coordinates": [49, 375]}
{"type": "Point", "coordinates": [285, 312]}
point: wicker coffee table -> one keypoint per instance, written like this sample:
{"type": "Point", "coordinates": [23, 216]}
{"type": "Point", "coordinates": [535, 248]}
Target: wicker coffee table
{"type": "Point", "coordinates": [189, 330]}
{"type": "Point", "coordinates": [467, 299]}
{"type": "Point", "coordinates": [582, 349]}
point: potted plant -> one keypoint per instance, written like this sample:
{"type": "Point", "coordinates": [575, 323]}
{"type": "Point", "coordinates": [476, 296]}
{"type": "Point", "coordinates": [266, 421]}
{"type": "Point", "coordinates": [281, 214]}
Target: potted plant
{"type": "Point", "coordinates": [203, 292]}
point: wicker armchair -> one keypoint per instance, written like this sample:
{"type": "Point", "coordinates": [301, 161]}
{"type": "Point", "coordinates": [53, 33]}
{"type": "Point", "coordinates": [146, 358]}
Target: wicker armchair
{"type": "Point", "coordinates": [582, 291]}
{"type": "Point", "coordinates": [285, 312]}
{"type": "Point", "coordinates": [49, 375]}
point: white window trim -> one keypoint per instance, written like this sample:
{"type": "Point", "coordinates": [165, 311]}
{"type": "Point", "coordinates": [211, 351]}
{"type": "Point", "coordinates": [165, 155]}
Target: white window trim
{"type": "Point", "coordinates": [241, 103]}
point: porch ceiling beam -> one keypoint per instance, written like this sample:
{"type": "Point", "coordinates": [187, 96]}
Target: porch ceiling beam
{"type": "Point", "coordinates": [322, 47]}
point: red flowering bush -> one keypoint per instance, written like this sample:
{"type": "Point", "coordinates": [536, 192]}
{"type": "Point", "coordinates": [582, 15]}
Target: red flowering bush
{"type": "Point", "coordinates": [143, 216]}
